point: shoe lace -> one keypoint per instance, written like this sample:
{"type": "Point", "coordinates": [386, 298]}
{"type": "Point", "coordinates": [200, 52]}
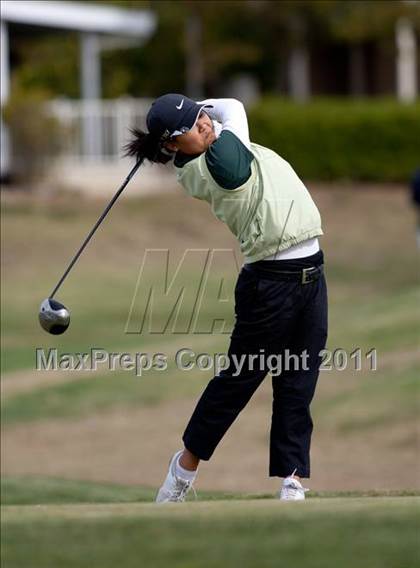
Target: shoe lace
{"type": "Point", "coordinates": [182, 486]}
{"type": "Point", "coordinates": [292, 491]}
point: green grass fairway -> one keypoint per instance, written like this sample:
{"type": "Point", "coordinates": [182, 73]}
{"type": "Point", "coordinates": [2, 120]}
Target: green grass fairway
{"type": "Point", "coordinates": [376, 532]}
{"type": "Point", "coordinates": [73, 523]}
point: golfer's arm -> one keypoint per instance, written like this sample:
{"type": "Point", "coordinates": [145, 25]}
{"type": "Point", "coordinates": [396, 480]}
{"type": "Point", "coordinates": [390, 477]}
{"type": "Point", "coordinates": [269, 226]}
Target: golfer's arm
{"type": "Point", "coordinates": [229, 157]}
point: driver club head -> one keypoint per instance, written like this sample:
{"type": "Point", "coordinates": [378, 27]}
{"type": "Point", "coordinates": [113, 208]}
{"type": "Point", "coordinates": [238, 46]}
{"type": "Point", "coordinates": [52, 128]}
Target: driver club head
{"type": "Point", "coordinates": [54, 317]}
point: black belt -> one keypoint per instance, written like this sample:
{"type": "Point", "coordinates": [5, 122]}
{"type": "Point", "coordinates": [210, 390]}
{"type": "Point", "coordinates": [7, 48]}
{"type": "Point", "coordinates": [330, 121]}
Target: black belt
{"type": "Point", "coordinates": [304, 276]}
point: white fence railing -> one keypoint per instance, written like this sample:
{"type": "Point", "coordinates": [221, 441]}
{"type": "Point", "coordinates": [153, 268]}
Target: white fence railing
{"type": "Point", "coordinates": [96, 130]}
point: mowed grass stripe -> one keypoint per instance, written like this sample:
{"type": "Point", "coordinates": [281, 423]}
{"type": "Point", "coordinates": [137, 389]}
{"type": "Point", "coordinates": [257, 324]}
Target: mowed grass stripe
{"type": "Point", "coordinates": [381, 506]}
{"type": "Point", "coordinates": [30, 490]}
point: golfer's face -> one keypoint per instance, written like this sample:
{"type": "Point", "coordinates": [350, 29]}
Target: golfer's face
{"type": "Point", "coordinates": [198, 139]}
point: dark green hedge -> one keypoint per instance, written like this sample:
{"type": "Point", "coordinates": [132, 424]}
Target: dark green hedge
{"type": "Point", "coordinates": [371, 140]}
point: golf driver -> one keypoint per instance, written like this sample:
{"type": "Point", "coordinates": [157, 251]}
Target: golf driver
{"type": "Point", "coordinates": [54, 317]}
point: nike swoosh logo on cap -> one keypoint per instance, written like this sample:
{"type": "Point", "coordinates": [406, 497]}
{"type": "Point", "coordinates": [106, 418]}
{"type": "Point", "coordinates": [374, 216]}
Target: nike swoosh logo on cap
{"type": "Point", "coordinates": [180, 105]}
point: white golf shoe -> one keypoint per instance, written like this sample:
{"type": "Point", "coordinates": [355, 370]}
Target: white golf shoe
{"type": "Point", "coordinates": [174, 488]}
{"type": "Point", "coordinates": [292, 489]}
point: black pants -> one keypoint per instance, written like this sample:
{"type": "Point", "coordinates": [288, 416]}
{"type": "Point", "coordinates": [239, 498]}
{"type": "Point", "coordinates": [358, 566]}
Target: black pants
{"type": "Point", "coordinates": [273, 317]}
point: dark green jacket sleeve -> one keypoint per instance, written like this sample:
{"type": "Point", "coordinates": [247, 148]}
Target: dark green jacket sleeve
{"type": "Point", "coordinates": [229, 161]}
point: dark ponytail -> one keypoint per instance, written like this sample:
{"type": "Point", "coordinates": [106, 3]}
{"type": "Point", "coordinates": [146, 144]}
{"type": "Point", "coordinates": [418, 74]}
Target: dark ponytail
{"type": "Point", "coordinates": [144, 145]}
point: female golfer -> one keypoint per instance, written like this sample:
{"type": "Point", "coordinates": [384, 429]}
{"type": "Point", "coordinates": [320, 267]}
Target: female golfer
{"type": "Point", "coordinates": [280, 295]}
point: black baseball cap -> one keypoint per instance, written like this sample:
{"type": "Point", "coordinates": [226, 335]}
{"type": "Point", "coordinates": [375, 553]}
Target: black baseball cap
{"type": "Point", "coordinates": [172, 114]}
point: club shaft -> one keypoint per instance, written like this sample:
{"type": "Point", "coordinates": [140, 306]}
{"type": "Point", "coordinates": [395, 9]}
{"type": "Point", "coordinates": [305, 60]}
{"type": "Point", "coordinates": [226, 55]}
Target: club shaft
{"type": "Point", "coordinates": [93, 231]}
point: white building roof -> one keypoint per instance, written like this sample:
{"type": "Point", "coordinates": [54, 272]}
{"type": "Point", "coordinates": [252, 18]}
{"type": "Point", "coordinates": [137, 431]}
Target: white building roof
{"type": "Point", "coordinates": [81, 17]}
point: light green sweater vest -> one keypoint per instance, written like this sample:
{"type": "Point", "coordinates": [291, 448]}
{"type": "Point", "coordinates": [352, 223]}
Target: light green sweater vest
{"type": "Point", "coordinates": [270, 212]}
